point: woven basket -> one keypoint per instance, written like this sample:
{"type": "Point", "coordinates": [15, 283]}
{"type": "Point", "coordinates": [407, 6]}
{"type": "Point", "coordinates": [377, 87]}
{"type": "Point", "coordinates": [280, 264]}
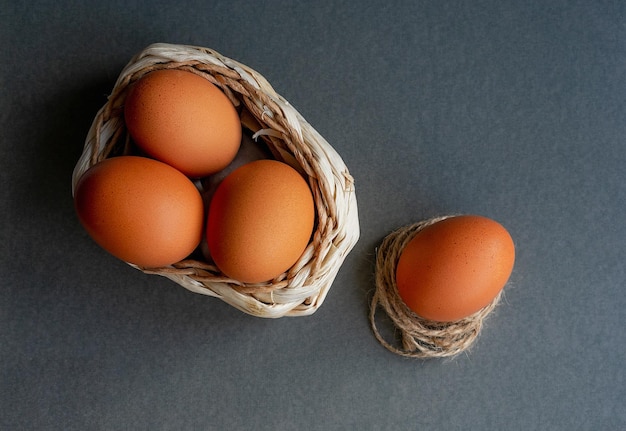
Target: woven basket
{"type": "Point", "coordinates": [302, 289]}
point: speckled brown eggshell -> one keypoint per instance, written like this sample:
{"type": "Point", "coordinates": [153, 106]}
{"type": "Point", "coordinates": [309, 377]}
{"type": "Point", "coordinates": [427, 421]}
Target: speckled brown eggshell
{"type": "Point", "coordinates": [182, 119]}
{"type": "Point", "coordinates": [260, 221]}
{"type": "Point", "coordinates": [140, 210]}
{"type": "Point", "coordinates": [454, 267]}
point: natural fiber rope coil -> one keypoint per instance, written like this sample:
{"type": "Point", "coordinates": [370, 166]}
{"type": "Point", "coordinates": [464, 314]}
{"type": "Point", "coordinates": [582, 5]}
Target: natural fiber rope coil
{"type": "Point", "coordinates": [303, 288]}
{"type": "Point", "coordinates": [420, 338]}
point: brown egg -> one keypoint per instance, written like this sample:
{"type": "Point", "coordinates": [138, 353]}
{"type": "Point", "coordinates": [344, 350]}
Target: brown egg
{"type": "Point", "coordinates": [260, 221]}
{"type": "Point", "coordinates": [454, 267]}
{"type": "Point", "coordinates": [184, 120]}
{"type": "Point", "coordinates": [140, 210]}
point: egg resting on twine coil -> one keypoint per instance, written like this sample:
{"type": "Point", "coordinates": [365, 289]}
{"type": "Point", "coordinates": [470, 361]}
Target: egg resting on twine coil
{"type": "Point", "coordinates": [420, 338]}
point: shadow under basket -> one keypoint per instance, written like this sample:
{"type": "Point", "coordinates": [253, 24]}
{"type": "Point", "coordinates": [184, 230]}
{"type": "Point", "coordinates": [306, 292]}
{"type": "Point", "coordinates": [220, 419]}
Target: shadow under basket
{"type": "Point", "coordinates": [302, 289]}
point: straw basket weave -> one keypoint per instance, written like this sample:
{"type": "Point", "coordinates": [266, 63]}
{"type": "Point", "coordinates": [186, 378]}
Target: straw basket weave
{"type": "Point", "coordinates": [302, 289]}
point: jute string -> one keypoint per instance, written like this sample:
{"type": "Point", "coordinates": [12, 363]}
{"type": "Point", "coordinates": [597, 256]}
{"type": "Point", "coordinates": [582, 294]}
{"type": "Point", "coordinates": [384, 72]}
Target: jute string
{"type": "Point", "coordinates": [420, 338]}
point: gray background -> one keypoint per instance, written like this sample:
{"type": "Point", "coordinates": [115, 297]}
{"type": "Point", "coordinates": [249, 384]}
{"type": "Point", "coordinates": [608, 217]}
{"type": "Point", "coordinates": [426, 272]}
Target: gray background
{"type": "Point", "coordinates": [513, 110]}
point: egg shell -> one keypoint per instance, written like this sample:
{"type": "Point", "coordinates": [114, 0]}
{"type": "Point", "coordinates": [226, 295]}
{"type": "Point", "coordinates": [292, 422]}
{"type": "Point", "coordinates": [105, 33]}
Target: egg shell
{"type": "Point", "coordinates": [455, 267]}
{"type": "Point", "coordinates": [260, 221]}
{"type": "Point", "coordinates": [182, 119]}
{"type": "Point", "coordinates": [140, 210]}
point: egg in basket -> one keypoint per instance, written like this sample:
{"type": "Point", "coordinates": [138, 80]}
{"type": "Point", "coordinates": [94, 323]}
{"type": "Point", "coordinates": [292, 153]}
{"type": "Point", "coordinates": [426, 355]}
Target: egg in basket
{"type": "Point", "coordinates": [197, 170]}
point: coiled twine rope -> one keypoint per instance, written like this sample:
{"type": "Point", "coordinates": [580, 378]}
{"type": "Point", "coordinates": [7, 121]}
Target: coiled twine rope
{"type": "Point", "coordinates": [420, 338]}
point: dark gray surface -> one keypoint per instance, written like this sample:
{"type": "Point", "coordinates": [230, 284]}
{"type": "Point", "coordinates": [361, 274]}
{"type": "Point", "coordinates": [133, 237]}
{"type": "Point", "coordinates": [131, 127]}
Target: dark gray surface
{"type": "Point", "coordinates": [513, 110]}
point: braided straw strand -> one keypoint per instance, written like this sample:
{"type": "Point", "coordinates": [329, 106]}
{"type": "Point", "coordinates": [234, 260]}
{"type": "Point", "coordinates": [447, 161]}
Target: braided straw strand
{"type": "Point", "coordinates": [419, 338]}
{"type": "Point", "coordinates": [302, 289]}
